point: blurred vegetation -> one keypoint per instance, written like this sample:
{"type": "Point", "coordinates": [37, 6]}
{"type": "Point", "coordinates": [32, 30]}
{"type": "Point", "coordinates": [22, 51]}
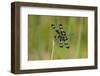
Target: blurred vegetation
{"type": "Point", "coordinates": [40, 37]}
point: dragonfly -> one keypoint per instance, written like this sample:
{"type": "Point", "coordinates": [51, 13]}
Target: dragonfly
{"type": "Point", "coordinates": [60, 36]}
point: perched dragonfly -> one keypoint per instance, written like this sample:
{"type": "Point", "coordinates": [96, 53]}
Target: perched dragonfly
{"type": "Point", "coordinates": [60, 35]}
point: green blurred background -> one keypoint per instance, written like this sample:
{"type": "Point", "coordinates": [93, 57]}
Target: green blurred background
{"type": "Point", "coordinates": [40, 37]}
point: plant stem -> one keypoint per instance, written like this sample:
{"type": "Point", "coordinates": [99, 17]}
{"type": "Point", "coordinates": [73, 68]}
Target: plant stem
{"type": "Point", "coordinates": [52, 52]}
{"type": "Point", "coordinates": [79, 38]}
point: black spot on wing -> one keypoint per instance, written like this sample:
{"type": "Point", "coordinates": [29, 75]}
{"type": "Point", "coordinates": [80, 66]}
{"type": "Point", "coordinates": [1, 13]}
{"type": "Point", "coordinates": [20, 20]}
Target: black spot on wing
{"type": "Point", "coordinates": [53, 26]}
{"type": "Point", "coordinates": [60, 26]}
{"type": "Point", "coordinates": [67, 47]}
{"type": "Point", "coordinates": [61, 46]}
